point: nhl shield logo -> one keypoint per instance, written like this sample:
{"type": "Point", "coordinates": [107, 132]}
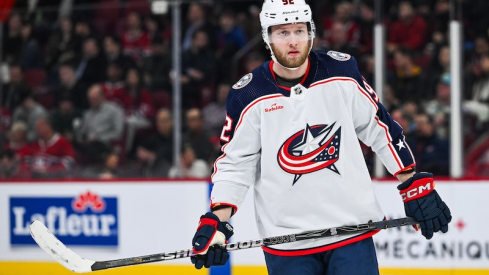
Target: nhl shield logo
{"type": "Point", "coordinates": [339, 56]}
{"type": "Point", "coordinates": [309, 150]}
{"type": "Point", "coordinates": [243, 81]}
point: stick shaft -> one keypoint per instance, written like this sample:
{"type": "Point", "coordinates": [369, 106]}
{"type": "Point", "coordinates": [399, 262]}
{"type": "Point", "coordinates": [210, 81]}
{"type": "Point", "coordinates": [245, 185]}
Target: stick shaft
{"type": "Point", "coordinates": [335, 231]}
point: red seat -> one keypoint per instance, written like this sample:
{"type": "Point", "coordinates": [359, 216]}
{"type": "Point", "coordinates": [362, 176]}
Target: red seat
{"type": "Point", "coordinates": [35, 77]}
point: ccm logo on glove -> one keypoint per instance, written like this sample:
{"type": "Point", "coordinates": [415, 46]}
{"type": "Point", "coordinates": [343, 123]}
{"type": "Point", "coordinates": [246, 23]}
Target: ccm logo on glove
{"type": "Point", "coordinates": [418, 189]}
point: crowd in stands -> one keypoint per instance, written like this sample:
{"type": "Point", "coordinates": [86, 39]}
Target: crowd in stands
{"type": "Point", "coordinates": [86, 93]}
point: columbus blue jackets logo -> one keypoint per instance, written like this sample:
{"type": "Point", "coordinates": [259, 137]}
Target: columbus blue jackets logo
{"type": "Point", "coordinates": [310, 150]}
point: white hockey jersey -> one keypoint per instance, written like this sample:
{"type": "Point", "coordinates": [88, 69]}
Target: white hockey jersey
{"type": "Point", "coordinates": [298, 149]}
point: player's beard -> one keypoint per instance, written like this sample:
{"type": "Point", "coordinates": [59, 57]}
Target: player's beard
{"type": "Point", "coordinates": [291, 61]}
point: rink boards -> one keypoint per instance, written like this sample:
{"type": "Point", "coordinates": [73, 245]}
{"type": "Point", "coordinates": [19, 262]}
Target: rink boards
{"type": "Point", "coordinates": [117, 219]}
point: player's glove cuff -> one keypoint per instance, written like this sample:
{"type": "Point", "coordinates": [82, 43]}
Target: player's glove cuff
{"type": "Point", "coordinates": [417, 186]}
{"type": "Point", "coordinates": [209, 232]}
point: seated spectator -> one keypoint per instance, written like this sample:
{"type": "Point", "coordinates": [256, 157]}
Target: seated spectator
{"type": "Point", "coordinates": [16, 90]}
{"type": "Point", "coordinates": [92, 65]}
{"type": "Point", "coordinates": [66, 118]}
{"type": "Point", "coordinates": [195, 135]}
{"type": "Point", "coordinates": [137, 105]}
{"type": "Point", "coordinates": [30, 53]}
{"type": "Point", "coordinates": [61, 44]}
{"type": "Point", "coordinates": [339, 40]}
{"type": "Point", "coordinates": [156, 68]}
{"type": "Point", "coordinates": [409, 31]}
{"type": "Point", "coordinates": [408, 81]}
{"type": "Point", "coordinates": [231, 39]}
{"type": "Point", "coordinates": [110, 169]}
{"type": "Point", "coordinates": [28, 112]}
{"type": "Point", "coordinates": [439, 108]}
{"type": "Point", "coordinates": [135, 41]}
{"type": "Point", "coordinates": [215, 112]}
{"type": "Point", "coordinates": [114, 86]}
{"type": "Point", "coordinates": [83, 31]}
{"type": "Point", "coordinates": [18, 140]}
{"type": "Point", "coordinates": [404, 121]}
{"type": "Point", "coordinates": [156, 152]}
{"type": "Point", "coordinates": [102, 125]}
{"type": "Point", "coordinates": [52, 156]}
{"type": "Point", "coordinates": [190, 166]}
{"type": "Point", "coordinates": [12, 40]}
{"type": "Point", "coordinates": [343, 16]}
{"type": "Point", "coordinates": [197, 68]}
{"type": "Point", "coordinates": [478, 105]}
{"type": "Point", "coordinates": [113, 53]}
{"type": "Point", "coordinates": [70, 87]}
{"type": "Point", "coordinates": [430, 151]}
{"type": "Point", "coordinates": [197, 20]}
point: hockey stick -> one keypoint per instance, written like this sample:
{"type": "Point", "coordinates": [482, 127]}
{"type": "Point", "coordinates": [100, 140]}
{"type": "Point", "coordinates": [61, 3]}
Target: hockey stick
{"type": "Point", "coordinates": [69, 259]}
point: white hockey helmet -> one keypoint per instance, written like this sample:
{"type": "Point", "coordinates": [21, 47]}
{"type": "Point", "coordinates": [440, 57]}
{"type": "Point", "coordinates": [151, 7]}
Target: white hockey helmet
{"type": "Point", "coordinates": [278, 12]}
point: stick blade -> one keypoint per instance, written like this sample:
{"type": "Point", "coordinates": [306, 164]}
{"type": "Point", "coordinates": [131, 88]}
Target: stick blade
{"type": "Point", "coordinates": [54, 247]}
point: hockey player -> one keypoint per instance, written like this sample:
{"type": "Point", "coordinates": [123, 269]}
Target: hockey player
{"type": "Point", "coordinates": [291, 133]}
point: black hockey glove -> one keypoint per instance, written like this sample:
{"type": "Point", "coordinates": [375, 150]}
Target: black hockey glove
{"type": "Point", "coordinates": [210, 234]}
{"type": "Point", "coordinates": [422, 202]}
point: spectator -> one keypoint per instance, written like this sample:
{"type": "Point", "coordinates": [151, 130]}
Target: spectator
{"type": "Point", "coordinates": [190, 166]}
{"type": "Point", "coordinates": [113, 53]}
{"type": "Point", "coordinates": [92, 66]}
{"type": "Point", "coordinates": [30, 53]}
{"type": "Point", "coordinates": [66, 118]}
{"type": "Point", "coordinates": [135, 41]}
{"type": "Point", "coordinates": [195, 135]}
{"type": "Point", "coordinates": [110, 169]}
{"type": "Point", "coordinates": [156, 68]}
{"type": "Point", "coordinates": [16, 90]}
{"type": "Point", "coordinates": [430, 151]}
{"type": "Point", "coordinates": [156, 152]}
{"type": "Point", "coordinates": [478, 105]}
{"type": "Point", "coordinates": [405, 121]}
{"type": "Point", "coordinates": [83, 31]}
{"type": "Point", "coordinates": [408, 82]}
{"type": "Point", "coordinates": [137, 105]}
{"type": "Point", "coordinates": [409, 31]}
{"type": "Point", "coordinates": [70, 87]}
{"type": "Point", "coordinates": [102, 125]}
{"type": "Point", "coordinates": [18, 140]}
{"type": "Point", "coordinates": [343, 16]}
{"type": "Point", "coordinates": [215, 112]}
{"type": "Point", "coordinates": [440, 68]}
{"type": "Point", "coordinates": [61, 44]}
{"type": "Point", "coordinates": [231, 39]}
{"type": "Point", "coordinates": [338, 40]}
{"type": "Point", "coordinates": [52, 155]}
{"type": "Point", "coordinates": [439, 108]}
{"type": "Point", "coordinates": [114, 86]}
{"type": "Point", "coordinates": [12, 42]}
{"type": "Point", "coordinates": [366, 28]}
{"type": "Point", "coordinates": [197, 68]}
{"type": "Point", "coordinates": [196, 18]}
{"type": "Point", "coordinates": [29, 112]}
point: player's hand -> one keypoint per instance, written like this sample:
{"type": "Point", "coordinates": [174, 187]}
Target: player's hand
{"type": "Point", "coordinates": [210, 234]}
{"type": "Point", "coordinates": [422, 202]}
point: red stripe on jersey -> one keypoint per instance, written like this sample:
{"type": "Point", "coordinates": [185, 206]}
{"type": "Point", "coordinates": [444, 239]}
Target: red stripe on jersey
{"type": "Point", "coordinates": [347, 79]}
{"type": "Point", "coordinates": [404, 169]}
{"type": "Point", "coordinates": [219, 158]}
{"type": "Point", "coordinates": [302, 252]}
{"type": "Point", "coordinates": [389, 139]}
{"type": "Point", "coordinates": [270, 66]}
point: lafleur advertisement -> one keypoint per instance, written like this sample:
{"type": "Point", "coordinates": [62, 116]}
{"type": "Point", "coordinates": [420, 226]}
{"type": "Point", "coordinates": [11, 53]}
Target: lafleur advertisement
{"type": "Point", "coordinates": [85, 219]}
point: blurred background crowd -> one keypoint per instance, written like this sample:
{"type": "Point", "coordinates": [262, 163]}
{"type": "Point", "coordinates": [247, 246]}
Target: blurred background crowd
{"type": "Point", "coordinates": [87, 84]}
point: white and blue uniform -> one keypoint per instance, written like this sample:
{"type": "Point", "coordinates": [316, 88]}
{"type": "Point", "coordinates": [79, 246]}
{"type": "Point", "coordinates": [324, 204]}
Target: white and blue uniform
{"type": "Point", "coordinates": [298, 149]}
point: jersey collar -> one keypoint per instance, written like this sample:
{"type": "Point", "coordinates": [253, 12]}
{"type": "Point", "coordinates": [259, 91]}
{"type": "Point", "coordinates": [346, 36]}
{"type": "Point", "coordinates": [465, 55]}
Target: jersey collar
{"type": "Point", "coordinates": [270, 67]}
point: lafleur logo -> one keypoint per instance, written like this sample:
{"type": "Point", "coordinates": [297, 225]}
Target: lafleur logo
{"type": "Point", "coordinates": [86, 219]}
{"type": "Point", "coordinates": [274, 107]}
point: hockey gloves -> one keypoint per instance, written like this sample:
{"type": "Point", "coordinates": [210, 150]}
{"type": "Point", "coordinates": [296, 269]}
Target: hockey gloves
{"type": "Point", "coordinates": [422, 202]}
{"type": "Point", "coordinates": [210, 234]}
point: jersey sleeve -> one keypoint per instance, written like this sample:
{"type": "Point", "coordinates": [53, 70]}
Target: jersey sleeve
{"type": "Point", "coordinates": [376, 128]}
{"type": "Point", "coordinates": [236, 168]}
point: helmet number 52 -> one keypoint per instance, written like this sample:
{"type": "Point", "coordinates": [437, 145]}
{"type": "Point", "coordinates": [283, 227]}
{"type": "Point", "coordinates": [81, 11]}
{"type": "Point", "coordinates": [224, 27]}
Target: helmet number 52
{"type": "Point", "coordinates": [287, 2]}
